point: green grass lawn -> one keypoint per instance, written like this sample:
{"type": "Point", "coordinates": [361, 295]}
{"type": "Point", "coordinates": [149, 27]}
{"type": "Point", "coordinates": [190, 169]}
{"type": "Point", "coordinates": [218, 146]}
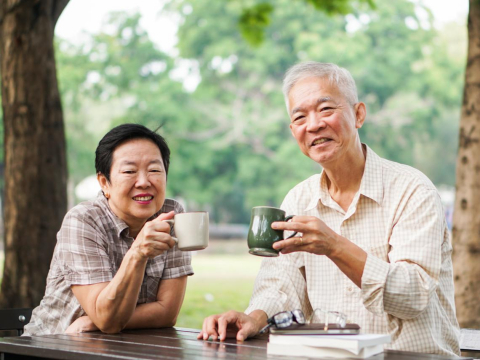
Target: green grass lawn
{"type": "Point", "coordinates": [221, 282]}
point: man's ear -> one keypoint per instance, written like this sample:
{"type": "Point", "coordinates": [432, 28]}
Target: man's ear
{"type": "Point", "coordinates": [360, 114]}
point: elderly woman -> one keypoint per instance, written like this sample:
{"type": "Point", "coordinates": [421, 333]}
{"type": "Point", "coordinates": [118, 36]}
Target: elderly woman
{"type": "Point", "coordinates": [115, 265]}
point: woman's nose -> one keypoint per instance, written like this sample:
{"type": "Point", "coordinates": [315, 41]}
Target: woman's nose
{"type": "Point", "coordinates": [142, 180]}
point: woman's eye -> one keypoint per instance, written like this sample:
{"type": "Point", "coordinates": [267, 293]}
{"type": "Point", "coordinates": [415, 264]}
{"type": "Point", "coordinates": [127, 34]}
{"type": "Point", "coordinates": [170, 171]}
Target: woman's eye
{"type": "Point", "coordinates": [129, 172]}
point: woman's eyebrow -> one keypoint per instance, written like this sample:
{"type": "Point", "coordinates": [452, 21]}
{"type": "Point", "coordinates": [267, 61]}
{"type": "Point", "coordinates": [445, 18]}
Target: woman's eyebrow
{"type": "Point", "coordinates": [130, 162]}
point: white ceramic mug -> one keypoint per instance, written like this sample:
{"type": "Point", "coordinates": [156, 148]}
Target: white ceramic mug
{"type": "Point", "coordinates": [191, 230]}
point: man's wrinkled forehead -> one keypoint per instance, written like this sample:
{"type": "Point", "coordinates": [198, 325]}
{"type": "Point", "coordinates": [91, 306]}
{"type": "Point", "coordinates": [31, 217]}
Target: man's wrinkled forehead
{"type": "Point", "coordinates": [327, 91]}
{"type": "Point", "coordinates": [324, 81]}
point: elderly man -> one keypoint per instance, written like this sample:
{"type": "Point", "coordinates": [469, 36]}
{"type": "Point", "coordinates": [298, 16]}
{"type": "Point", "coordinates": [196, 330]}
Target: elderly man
{"type": "Point", "coordinates": [374, 242]}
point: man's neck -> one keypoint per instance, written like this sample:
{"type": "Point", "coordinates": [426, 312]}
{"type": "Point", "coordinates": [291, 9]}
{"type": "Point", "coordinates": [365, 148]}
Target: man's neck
{"type": "Point", "coordinates": [344, 178]}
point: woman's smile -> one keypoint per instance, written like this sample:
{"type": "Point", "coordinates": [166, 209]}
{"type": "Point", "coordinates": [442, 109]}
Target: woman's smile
{"type": "Point", "coordinates": [143, 198]}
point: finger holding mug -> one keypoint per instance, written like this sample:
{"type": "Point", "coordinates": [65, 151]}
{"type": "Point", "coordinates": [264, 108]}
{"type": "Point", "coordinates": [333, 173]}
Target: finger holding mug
{"type": "Point", "coordinates": [316, 237]}
{"type": "Point", "coordinates": [261, 235]}
{"type": "Point", "coordinates": [154, 238]}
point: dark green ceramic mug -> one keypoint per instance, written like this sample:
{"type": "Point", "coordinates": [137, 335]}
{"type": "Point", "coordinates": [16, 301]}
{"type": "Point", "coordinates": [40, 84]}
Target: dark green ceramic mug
{"type": "Point", "coordinates": [261, 236]}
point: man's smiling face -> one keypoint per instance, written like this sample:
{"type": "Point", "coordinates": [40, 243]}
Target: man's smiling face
{"type": "Point", "coordinates": [322, 121]}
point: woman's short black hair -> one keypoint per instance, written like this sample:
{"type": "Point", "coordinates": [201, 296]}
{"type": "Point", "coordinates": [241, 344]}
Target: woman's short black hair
{"type": "Point", "coordinates": [117, 136]}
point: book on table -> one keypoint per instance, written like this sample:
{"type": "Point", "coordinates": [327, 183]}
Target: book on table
{"type": "Point", "coordinates": [335, 346]}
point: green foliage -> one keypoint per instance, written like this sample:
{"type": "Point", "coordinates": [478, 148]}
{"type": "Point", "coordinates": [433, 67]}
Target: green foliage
{"type": "Point", "coordinates": [230, 141]}
{"type": "Point", "coordinates": [253, 21]}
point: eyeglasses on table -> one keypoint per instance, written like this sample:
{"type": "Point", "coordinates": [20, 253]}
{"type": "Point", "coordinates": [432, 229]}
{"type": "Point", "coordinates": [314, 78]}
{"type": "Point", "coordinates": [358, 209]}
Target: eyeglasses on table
{"type": "Point", "coordinates": [286, 318]}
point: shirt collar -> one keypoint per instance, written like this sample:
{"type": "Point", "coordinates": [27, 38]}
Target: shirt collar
{"type": "Point", "coordinates": [118, 223]}
{"type": "Point", "coordinates": [372, 180]}
{"type": "Point", "coordinates": [369, 186]}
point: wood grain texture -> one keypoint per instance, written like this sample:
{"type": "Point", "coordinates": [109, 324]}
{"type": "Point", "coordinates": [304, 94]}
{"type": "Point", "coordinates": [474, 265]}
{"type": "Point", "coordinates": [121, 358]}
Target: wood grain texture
{"type": "Point", "coordinates": [168, 343]}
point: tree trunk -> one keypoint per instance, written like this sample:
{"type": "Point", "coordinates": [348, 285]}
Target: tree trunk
{"type": "Point", "coordinates": [466, 218]}
{"type": "Point", "coordinates": [35, 165]}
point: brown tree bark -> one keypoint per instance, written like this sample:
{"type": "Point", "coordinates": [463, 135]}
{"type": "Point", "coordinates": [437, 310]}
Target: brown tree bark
{"type": "Point", "coordinates": [35, 162]}
{"type": "Point", "coordinates": [466, 218]}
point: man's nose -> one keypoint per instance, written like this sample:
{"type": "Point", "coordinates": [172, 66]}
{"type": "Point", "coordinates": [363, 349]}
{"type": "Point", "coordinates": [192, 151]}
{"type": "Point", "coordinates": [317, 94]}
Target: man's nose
{"type": "Point", "coordinates": [315, 122]}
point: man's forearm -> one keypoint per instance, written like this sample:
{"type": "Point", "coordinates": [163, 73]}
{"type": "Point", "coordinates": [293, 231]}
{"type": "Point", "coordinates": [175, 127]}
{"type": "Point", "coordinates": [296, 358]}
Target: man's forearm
{"type": "Point", "coordinates": [350, 259]}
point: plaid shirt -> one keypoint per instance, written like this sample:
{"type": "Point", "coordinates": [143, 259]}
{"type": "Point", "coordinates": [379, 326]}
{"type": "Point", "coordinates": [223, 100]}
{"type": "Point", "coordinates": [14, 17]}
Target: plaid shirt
{"type": "Point", "coordinates": [91, 245]}
{"type": "Point", "coordinates": [407, 283]}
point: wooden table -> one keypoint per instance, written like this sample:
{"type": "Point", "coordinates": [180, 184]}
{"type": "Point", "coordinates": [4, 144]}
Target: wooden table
{"type": "Point", "coordinates": [169, 343]}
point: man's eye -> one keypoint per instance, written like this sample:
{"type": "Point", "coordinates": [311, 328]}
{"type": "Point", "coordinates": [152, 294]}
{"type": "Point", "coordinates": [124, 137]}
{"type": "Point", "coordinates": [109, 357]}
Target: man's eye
{"type": "Point", "coordinates": [129, 172]}
{"type": "Point", "coordinates": [326, 108]}
{"type": "Point", "coordinates": [299, 118]}
{"type": "Point", "coordinates": [156, 170]}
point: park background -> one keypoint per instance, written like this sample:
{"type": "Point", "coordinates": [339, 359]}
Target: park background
{"type": "Point", "coordinates": [186, 65]}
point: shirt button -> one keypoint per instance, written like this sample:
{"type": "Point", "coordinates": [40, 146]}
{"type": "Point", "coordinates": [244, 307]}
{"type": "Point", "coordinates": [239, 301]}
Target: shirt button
{"type": "Point", "coordinates": [349, 289]}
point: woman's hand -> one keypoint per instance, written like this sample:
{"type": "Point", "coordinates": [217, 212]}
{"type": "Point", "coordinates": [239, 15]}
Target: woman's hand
{"type": "Point", "coordinates": [82, 324]}
{"type": "Point", "coordinates": [154, 238]}
{"type": "Point", "coordinates": [317, 237]}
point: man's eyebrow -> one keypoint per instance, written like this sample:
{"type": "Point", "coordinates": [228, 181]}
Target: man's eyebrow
{"type": "Point", "coordinates": [319, 101]}
{"type": "Point", "coordinates": [130, 162]}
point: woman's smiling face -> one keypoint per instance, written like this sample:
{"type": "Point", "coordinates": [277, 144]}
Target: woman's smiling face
{"type": "Point", "coordinates": [136, 189]}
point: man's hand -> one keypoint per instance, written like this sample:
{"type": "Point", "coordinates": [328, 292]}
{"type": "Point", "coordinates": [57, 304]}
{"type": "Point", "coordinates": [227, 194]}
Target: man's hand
{"type": "Point", "coordinates": [317, 237]}
{"type": "Point", "coordinates": [217, 326]}
{"type": "Point", "coordinates": [82, 324]}
{"type": "Point", "coordinates": [154, 238]}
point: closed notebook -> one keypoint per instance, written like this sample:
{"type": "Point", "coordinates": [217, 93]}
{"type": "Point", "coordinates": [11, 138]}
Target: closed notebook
{"type": "Point", "coordinates": [321, 352]}
{"type": "Point", "coordinates": [340, 346]}
{"type": "Point", "coordinates": [317, 329]}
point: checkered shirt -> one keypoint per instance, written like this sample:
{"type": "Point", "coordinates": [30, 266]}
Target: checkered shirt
{"type": "Point", "coordinates": [91, 245]}
{"type": "Point", "coordinates": [407, 284]}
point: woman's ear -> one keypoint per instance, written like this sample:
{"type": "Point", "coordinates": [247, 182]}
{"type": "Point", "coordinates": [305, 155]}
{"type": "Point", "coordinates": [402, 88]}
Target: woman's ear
{"type": "Point", "coordinates": [104, 184]}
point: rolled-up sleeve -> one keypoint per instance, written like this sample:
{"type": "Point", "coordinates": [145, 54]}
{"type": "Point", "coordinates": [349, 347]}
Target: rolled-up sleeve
{"type": "Point", "coordinates": [403, 286]}
{"type": "Point", "coordinates": [82, 253]}
{"type": "Point", "coordinates": [279, 286]}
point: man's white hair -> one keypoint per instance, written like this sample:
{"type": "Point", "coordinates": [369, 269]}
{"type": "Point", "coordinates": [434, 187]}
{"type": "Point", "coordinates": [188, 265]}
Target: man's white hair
{"type": "Point", "coordinates": [336, 75]}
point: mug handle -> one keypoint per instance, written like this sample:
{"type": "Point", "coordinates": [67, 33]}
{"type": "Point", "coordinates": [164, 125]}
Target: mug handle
{"type": "Point", "coordinates": [290, 217]}
{"type": "Point", "coordinates": [171, 222]}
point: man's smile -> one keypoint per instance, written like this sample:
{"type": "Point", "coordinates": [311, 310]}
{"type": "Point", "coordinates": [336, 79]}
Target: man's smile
{"type": "Point", "coordinates": [319, 141]}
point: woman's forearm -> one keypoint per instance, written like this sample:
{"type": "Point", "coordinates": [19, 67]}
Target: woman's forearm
{"type": "Point", "coordinates": [164, 311]}
{"type": "Point", "coordinates": [116, 303]}
{"type": "Point", "coordinates": [151, 315]}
